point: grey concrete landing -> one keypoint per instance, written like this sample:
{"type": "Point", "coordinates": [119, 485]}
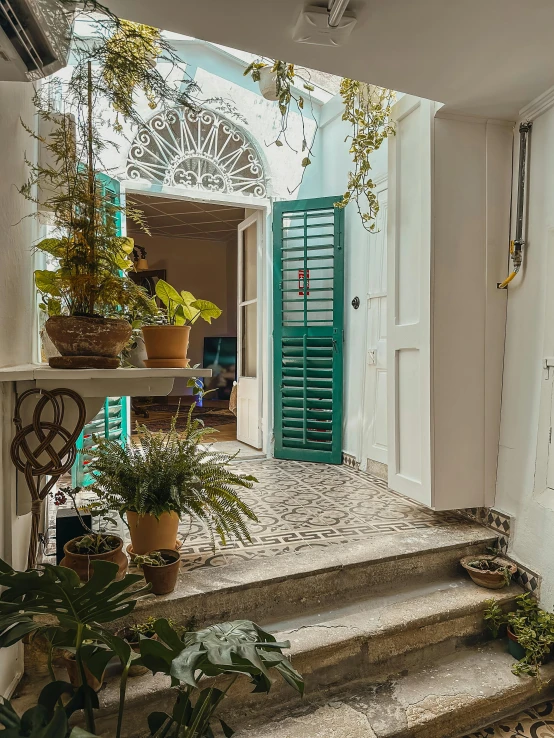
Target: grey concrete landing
{"type": "Point", "coordinates": [445, 699]}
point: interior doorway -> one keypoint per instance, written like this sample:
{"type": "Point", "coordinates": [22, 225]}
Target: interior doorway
{"type": "Point", "coordinates": [211, 250]}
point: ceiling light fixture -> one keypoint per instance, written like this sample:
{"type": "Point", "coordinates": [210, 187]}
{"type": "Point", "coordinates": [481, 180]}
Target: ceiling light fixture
{"type": "Point", "coordinates": [327, 26]}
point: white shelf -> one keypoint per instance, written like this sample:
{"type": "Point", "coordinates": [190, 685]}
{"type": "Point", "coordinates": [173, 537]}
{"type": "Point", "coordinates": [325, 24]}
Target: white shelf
{"type": "Point", "coordinates": [100, 382]}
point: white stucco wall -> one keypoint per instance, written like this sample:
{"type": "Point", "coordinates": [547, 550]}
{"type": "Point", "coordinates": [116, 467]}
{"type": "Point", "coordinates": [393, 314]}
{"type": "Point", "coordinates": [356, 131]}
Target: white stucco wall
{"type": "Point", "coordinates": [526, 394]}
{"type": "Point", "coordinates": [17, 326]}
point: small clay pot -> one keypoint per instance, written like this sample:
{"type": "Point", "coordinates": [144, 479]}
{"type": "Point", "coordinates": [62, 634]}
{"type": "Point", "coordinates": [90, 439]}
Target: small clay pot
{"type": "Point", "coordinates": [514, 648]}
{"type": "Point", "coordinates": [74, 675]}
{"type": "Point", "coordinates": [126, 634]}
{"type": "Point", "coordinates": [149, 533]}
{"type": "Point", "coordinates": [83, 563]}
{"type": "Point", "coordinates": [86, 342]}
{"type": "Point", "coordinates": [488, 579]}
{"type": "Point", "coordinates": [166, 345]}
{"type": "Point", "coordinates": [163, 578]}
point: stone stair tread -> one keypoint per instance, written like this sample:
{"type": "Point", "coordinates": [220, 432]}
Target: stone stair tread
{"type": "Point", "coordinates": [374, 619]}
{"type": "Point", "coordinates": [445, 699]}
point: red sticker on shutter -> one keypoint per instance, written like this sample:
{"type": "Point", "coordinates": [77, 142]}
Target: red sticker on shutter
{"type": "Point", "coordinates": [303, 283]}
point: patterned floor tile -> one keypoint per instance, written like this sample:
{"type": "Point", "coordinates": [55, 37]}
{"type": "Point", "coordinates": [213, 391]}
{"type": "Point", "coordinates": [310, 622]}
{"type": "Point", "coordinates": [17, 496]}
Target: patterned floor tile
{"type": "Point", "coordinates": [537, 722]}
{"type": "Point", "coordinates": [301, 505]}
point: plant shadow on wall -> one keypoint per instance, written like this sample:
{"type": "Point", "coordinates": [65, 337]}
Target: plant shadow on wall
{"type": "Point", "coordinates": [367, 108]}
{"type": "Point", "coordinates": [86, 293]}
{"type": "Point", "coordinates": [52, 604]}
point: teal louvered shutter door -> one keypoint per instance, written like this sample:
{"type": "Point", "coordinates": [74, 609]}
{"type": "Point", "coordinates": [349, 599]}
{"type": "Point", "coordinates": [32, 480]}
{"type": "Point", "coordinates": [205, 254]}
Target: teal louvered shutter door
{"type": "Point", "coordinates": [113, 419]}
{"type": "Point", "coordinates": [308, 272]}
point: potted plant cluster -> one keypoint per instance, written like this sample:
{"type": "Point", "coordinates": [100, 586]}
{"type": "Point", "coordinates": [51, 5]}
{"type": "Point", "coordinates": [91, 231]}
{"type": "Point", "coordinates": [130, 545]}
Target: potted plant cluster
{"type": "Point", "coordinates": [161, 569]}
{"type": "Point", "coordinates": [81, 552]}
{"type": "Point", "coordinates": [168, 477]}
{"type": "Point", "coordinates": [167, 340]}
{"type": "Point", "coordinates": [530, 632]}
{"type": "Point", "coordinates": [71, 614]}
{"type": "Point", "coordinates": [489, 570]}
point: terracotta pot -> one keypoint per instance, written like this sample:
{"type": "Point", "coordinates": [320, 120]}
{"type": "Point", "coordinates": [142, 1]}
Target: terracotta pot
{"type": "Point", "coordinates": [127, 634]}
{"type": "Point", "coordinates": [166, 345]}
{"type": "Point", "coordinates": [87, 342]}
{"type": "Point", "coordinates": [149, 533]}
{"type": "Point", "coordinates": [82, 563]}
{"type": "Point", "coordinates": [74, 676]}
{"type": "Point", "coordinates": [163, 578]}
{"type": "Point", "coordinates": [488, 579]}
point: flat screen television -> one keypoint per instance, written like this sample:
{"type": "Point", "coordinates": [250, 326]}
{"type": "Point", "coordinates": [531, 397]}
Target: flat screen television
{"type": "Point", "coordinates": [220, 355]}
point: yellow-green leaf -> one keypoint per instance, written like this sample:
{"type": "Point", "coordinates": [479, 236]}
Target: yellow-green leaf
{"type": "Point", "coordinates": [167, 293]}
{"type": "Point", "coordinates": [206, 310]}
{"type": "Point", "coordinates": [51, 246]}
{"type": "Point", "coordinates": [45, 281]}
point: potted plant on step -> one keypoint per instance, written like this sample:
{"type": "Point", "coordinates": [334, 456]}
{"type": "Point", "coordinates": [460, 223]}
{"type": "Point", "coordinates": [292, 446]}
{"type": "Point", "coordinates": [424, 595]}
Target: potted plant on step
{"type": "Point", "coordinates": [530, 632]}
{"type": "Point", "coordinates": [160, 569]}
{"type": "Point", "coordinates": [82, 552]}
{"type": "Point", "coordinates": [167, 477]}
{"type": "Point", "coordinates": [167, 342]}
{"type": "Point", "coordinates": [489, 570]}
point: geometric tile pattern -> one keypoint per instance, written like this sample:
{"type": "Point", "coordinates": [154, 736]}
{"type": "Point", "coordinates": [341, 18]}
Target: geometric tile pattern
{"type": "Point", "coordinates": [501, 524]}
{"type": "Point", "coordinates": [536, 722]}
{"type": "Point", "coordinates": [350, 461]}
{"type": "Point", "coordinates": [302, 506]}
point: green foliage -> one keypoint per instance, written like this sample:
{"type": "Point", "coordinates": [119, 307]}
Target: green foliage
{"type": "Point", "coordinates": [287, 98]}
{"type": "Point", "coordinates": [154, 558]}
{"type": "Point", "coordinates": [91, 260]}
{"type": "Point", "coordinates": [71, 614]}
{"type": "Point", "coordinates": [533, 628]}
{"type": "Point", "coordinates": [49, 718]}
{"type": "Point", "coordinates": [173, 472]}
{"type": "Point", "coordinates": [239, 647]}
{"type": "Point", "coordinates": [182, 308]}
{"type": "Point", "coordinates": [367, 108]}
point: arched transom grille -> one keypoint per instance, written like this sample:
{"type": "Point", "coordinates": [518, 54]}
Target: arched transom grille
{"type": "Point", "coordinates": [180, 147]}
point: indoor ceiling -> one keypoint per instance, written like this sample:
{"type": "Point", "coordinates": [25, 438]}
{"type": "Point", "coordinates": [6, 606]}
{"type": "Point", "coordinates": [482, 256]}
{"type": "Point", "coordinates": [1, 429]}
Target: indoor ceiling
{"type": "Point", "coordinates": [173, 218]}
{"type": "Point", "coordinates": [486, 57]}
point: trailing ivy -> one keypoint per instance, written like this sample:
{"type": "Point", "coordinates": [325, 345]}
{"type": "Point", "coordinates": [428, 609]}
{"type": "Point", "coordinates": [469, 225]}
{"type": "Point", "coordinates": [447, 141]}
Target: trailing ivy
{"type": "Point", "coordinates": [367, 108]}
{"type": "Point", "coordinates": [287, 97]}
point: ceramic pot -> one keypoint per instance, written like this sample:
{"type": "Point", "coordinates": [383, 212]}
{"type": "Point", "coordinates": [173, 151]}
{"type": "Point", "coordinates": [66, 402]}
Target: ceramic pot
{"type": "Point", "coordinates": [488, 579]}
{"type": "Point", "coordinates": [166, 345]}
{"type": "Point", "coordinates": [149, 533]}
{"type": "Point", "coordinates": [268, 83]}
{"type": "Point", "coordinates": [87, 343]}
{"type": "Point", "coordinates": [74, 676]}
{"type": "Point", "coordinates": [83, 563]}
{"type": "Point", "coordinates": [163, 578]}
{"type": "Point", "coordinates": [517, 651]}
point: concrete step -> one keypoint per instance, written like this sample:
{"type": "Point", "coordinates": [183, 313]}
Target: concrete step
{"type": "Point", "coordinates": [352, 644]}
{"type": "Point", "coordinates": [269, 589]}
{"type": "Point", "coordinates": [447, 698]}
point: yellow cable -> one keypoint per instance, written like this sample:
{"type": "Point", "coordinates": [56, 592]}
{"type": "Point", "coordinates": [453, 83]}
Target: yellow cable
{"type": "Point", "coordinates": [507, 281]}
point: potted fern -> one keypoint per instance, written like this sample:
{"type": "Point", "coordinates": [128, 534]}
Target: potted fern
{"type": "Point", "coordinates": [168, 477]}
{"type": "Point", "coordinates": [167, 341]}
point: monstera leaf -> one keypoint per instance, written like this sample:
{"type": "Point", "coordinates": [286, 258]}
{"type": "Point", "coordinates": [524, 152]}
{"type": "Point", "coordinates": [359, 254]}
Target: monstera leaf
{"type": "Point", "coordinates": [57, 594]}
{"type": "Point", "coordinates": [48, 719]}
{"type": "Point", "coordinates": [238, 647]}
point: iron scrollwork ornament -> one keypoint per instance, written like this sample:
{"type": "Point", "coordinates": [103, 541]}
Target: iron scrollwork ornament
{"type": "Point", "coordinates": [45, 448]}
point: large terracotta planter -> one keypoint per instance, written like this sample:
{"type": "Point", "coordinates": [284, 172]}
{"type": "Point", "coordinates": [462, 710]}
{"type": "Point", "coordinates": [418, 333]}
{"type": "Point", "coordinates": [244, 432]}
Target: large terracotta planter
{"type": "Point", "coordinates": [87, 343]}
{"type": "Point", "coordinates": [166, 345]}
{"type": "Point", "coordinates": [83, 563]}
{"type": "Point", "coordinates": [163, 578]}
{"type": "Point", "coordinates": [149, 533]}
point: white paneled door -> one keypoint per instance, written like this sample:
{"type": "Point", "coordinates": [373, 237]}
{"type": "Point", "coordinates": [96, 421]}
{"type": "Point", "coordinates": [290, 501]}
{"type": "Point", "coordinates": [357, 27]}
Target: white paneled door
{"type": "Point", "coordinates": [249, 337]}
{"type": "Point", "coordinates": [409, 315]}
{"type": "Point", "coordinates": [375, 389]}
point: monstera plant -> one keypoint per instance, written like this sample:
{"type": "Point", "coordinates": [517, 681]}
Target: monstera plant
{"type": "Point", "coordinates": [167, 342]}
{"type": "Point", "coordinates": [202, 666]}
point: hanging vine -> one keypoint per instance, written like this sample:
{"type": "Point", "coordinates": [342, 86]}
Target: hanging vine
{"type": "Point", "coordinates": [285, 76]}
{"type": "Point", "coordinates": [368, 109]}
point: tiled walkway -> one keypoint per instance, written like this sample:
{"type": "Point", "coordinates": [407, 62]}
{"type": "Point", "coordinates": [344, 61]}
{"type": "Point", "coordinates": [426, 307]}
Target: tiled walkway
{"type": "Point", "coordinates": [537, 722]}
{"type": "Point", "coordinates": [301, 506]}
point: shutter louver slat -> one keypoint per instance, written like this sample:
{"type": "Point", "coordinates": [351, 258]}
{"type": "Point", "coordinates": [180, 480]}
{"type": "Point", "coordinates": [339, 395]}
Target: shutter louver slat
{"type": "Point", "coordinates": [308, 313]}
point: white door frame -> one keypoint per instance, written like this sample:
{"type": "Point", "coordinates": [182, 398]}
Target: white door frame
{"type": "Point", "coordinates": [263, 206]}
{"type": "Point", "coordinates": [257, 219]}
